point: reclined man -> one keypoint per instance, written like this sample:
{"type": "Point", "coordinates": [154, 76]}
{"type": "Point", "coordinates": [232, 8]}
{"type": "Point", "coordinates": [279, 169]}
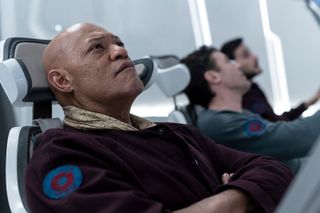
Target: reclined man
{"type": "Point", "coordinates": [218, 85]}
{"type": "Point", "coordinates": [255, 100]}
{"type": "Point", "coordinates": [105, 159]}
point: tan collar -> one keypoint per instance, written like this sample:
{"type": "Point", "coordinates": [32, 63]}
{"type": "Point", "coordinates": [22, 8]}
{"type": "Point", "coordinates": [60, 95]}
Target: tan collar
{"type": "Point", "coordinates": [83, 119]}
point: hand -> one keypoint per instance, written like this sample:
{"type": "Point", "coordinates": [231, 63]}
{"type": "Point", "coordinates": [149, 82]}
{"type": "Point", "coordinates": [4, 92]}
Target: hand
{"type": "Point", "coordinates": [226, 177]}
{"type": "Point", "coordinates": [313, 99]}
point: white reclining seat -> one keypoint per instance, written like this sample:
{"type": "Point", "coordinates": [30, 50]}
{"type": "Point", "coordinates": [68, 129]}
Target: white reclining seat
{"type": "Point", "coordinates": [7, 121]}
{"type": "Point", "coordinates": [19, 56]}
{"type": "Point", "coordinates": [173, 77]}
{"type": "Point", "coordinates": [23, 79]}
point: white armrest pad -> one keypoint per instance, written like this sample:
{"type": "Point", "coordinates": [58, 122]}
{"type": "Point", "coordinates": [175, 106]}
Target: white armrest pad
{"type": "Point", "coordinates": [13, 193]}
{"type": "Point", "coordinates": [13, 81]}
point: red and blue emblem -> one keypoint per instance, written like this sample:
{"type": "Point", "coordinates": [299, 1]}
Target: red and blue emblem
{"type": "Point", "coordinates": [62, 181]}
{"type": "Point", "coordinates": [254, 127]}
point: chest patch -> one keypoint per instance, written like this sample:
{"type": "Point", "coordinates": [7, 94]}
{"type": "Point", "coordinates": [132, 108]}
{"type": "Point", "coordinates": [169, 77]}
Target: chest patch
{"type": "Point", "coordinates": [254, 127]}
{"type": "Point", "coordinates": [62, 181]}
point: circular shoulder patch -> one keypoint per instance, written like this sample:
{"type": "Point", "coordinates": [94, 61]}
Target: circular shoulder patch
{"type": "Point", "coordinates": [62, 181]}
{"type": "Point", "coordinates": [254, 127]}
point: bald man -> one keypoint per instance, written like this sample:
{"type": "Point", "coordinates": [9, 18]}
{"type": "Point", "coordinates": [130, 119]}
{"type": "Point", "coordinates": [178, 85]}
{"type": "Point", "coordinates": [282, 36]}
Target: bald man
{"type": "Point", "coordinates": [105, 159]}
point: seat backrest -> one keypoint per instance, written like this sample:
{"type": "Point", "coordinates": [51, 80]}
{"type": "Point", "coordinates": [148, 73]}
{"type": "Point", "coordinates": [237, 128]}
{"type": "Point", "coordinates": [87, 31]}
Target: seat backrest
{"type": "Point", "coordinates": [187, 114]}
{"type": "Point", "coordinates": [18, 54]}
{"type": "Point", "coordinates": [23, 79]}
{"type": "Point", "coordinates": [6, 123]}
{"type": "Point", "coordinates": [173, 77]}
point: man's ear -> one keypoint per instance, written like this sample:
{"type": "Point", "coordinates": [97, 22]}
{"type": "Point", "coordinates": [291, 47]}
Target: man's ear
{"type": "Point", "coordinates": [61, 80]}
{"type": "Point", "coordinates": [212, 77]}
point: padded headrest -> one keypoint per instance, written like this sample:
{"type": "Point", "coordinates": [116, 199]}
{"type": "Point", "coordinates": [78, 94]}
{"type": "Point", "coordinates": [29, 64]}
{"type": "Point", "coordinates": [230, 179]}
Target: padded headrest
{"type": "Point", "coordinates": [23, 77]}
{"type": "Point", "coordinates": [22, 58]}
{"type": "Point", "coordinates": [173, 76]}
{"type": "Point", "coordinates": [147, 71]}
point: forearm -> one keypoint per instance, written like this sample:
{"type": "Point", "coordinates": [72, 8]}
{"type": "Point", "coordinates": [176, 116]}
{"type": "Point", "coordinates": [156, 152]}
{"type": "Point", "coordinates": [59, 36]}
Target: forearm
{"type": "Point", "coordinates": [291, 115]}
{"type": "Point", "coordinates": [231, 200]}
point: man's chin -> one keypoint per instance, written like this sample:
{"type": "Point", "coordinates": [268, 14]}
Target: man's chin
{"type": "Point", "coordinates": [246, 88]}
{"type": "Point", "coordinates": [252, 74]}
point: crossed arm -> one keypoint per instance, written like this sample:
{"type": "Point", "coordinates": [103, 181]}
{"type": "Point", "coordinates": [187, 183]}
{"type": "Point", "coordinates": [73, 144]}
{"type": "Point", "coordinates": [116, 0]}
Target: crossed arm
{"type": "Point", "coordinates": [231, 200]}
{"type": "Point", "coordinates": [109, 185]}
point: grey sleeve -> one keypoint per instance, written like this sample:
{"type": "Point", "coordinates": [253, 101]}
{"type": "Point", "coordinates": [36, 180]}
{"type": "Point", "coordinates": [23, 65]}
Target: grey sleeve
{"type": "Point", "coordinates": [250, 133]}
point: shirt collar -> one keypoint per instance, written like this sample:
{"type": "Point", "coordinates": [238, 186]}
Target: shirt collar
{"type": "Point", "coordinates": [83, 119]}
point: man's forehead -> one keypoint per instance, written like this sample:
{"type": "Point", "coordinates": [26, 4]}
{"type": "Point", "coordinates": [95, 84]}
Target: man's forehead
{"type": "Point", "coordinates": [242, 47]}
{"type": "Point", "coordinates": [218, 55]}
{"type": "Point", "coordinates": [97, 34]}
{"type": "Point", "coordinates": [87, 31]}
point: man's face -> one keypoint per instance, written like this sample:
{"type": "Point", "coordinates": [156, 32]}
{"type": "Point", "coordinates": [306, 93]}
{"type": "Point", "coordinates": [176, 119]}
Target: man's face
{"type": "Point", "coordinates": [247, 61]}
{"type": "Point", "coordinates": [99, 64]}
{"type": "Point", "coordinates": [230, 74]}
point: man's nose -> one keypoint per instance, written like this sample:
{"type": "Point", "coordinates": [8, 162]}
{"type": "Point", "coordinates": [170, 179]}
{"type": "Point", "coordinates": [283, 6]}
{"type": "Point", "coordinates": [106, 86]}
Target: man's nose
{"type": "Point", "coordinates": [118, 52]}
{"type": "Point", "coordinates": [254, 57]}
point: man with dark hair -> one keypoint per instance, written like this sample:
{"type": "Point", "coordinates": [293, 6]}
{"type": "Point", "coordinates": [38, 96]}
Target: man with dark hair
{"type": "Point", "coordinates": [255, 99]}
{"type": "Point", "coordinates": [224, 119]}
{"type": "Point", "coordinates": [105, 159]}
{"type": "Point", "coordinates": [198, 85]}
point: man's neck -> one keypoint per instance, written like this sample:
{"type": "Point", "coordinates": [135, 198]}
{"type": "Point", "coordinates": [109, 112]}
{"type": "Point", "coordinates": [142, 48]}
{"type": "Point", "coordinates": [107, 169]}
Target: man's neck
{"type": "Point", "coordinates": [123, 116]}
{"type": "Point", "coordinates": [227, 101]}
{"type": "Point", "coordinates": [120, 112]}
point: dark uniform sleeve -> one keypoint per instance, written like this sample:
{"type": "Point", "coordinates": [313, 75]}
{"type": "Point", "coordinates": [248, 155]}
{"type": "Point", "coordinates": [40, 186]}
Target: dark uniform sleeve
{"type": "Point", "coordinates": [264, 179]}
{"type": "Point", "coordinates": [95, 183]}
{"type": "Point", "coordinates": [255, 101]}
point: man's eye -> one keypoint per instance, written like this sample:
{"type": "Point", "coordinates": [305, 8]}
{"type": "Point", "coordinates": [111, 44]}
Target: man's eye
{"type": "Point", "coordinates": [246, 54]}
{"type": "Point", "coordinates": [120, 43]}
{"type": "Point", "coordinates": [96, 47]}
